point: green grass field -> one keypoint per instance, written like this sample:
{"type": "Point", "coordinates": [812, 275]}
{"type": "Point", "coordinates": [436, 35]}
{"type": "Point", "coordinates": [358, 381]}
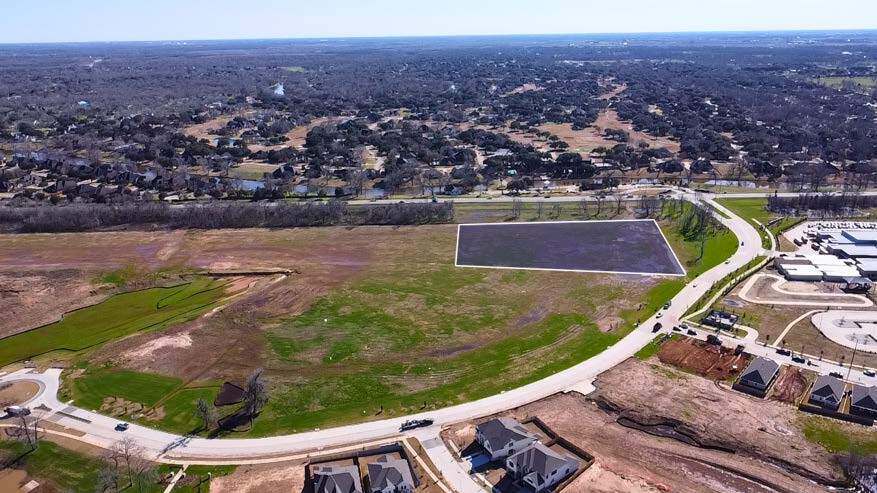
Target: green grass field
{"type": "Point", "coordinates": [68, 470]}
{"type": "Point", "coordinates": [863, 83]}
{"type": "Point", "coordinates": [839, 438]}
{"type": "Point", "coordinates": [119, 316]}
{"type": "Point", "coordinates": [412, 333]}
{"type": "Point", "coordinates": [751, 210]}
{"type": "Point", "coordinates": [89, 390]}
{"type": "Point", "coordinates": [72, 471]}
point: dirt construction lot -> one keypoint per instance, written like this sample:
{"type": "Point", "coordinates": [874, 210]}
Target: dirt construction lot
{"type": "Point", "coordinates": [791, 384]}
{"type": "Point", "coordinates": [252, 479]}
{"type": "Point", "coordinates": [702, 359]}
{"type": "Point", "coordinates": [770, 454]}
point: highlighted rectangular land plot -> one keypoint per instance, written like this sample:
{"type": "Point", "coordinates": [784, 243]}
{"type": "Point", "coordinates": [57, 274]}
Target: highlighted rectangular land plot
{"type": "Point", "coordinates": [618, 247]}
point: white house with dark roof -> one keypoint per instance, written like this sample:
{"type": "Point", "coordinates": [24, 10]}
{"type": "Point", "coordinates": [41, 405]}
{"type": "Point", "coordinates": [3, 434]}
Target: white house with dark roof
{"type": "Point", "coordinates": [502, 437]}
{"type": "Point", "coordinates": [760, 373]}
{"type": "Point", "coordinates": [390, 475]}
{"type": "Point", "coordinates": [336, 479]}
{"type": "Point", "coordinates": [827, 392]}
{"type": "Point", "coordinates": [864, 401]}
{"type": "Point", "coordinates": [539, 467]}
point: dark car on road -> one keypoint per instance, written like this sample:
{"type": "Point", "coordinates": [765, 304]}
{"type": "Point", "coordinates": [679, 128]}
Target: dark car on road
{"type": "Point", "coordinates": [122, 427]}
{"type": "Point", "coordinates": [415, 423]}
{"type": "Point", "coordinates": [657, 327]}
{"type": "Point", "coordinates": [15, 411]}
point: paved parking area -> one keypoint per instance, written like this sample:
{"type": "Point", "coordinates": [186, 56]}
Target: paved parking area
{"type": "Point", "coordinates": [624, 247]}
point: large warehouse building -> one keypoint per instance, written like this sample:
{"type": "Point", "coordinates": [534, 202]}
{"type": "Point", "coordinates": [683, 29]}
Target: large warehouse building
{"type": "Point", "coordinates": [844, 251]}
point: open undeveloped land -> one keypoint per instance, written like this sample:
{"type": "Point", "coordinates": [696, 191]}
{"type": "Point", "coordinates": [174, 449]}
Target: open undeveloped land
{"type": "Point", "coordinates": [653, 428]}
{"type": "Point", "coordinates": [350, 324]}
{"type": "Point", "coordinates": [586, 140]}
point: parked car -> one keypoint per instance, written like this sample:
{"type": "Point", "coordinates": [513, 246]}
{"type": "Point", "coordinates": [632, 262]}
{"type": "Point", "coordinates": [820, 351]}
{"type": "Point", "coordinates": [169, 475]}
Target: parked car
{"type": "Point", "coordinates": [798, 359]}
{"type": "Point", "coordinates": [676, 328]}
{"type": "Point", "coordinates": [684, 326]}
{"type": "Point", "coordinates": [784, 352]}
{"type": "Point", "coordinates": [667, 305]}
{"type": "Point", "coordinates": [17, 411]}
{"type": "Point", "coordinates": [869, 373]}
{"type": "Point", "coordinates": [415, 423]}
{"type": "Point", "coordinates": [836, 375]}
{"type": "Point", "coordinates": [122, 427]}
{"type": "Point", "coordinates": [691, 332]}
{"type": "Point", "coordinates": [657, 327]}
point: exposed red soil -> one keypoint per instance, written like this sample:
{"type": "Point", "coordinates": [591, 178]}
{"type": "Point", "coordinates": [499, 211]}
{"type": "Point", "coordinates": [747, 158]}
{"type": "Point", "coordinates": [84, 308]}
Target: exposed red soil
{"type": "Point", "coordinates": [790, 385]}
{"type": "Point", "coordinates": [713, 362]}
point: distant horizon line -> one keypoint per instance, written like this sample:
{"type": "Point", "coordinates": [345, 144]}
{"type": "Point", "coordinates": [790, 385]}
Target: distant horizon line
{"type": "Point", "coordinates": [445, 36]}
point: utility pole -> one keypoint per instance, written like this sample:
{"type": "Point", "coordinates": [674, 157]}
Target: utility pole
{"type": "Point", "coordinates": [855, 348]}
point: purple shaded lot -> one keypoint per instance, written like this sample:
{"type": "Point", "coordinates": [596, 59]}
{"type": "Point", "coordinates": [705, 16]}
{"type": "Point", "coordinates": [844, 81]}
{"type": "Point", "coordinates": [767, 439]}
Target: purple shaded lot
{"type": "Point", "coordinates": [604, 246]}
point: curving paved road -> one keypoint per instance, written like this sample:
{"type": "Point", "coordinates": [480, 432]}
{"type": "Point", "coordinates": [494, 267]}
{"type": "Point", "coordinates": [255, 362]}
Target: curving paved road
{"type": "Point", "coordinates": [99, 430]}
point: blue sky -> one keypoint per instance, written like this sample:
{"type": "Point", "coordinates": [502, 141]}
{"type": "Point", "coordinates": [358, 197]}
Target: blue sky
{"type": "Point", "coordinates": [134, 20]}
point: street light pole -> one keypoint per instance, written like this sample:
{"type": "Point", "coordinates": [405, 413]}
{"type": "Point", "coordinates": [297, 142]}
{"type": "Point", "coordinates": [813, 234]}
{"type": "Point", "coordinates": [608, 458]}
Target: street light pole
{"type": "Point", "coordinates": [855, 348]}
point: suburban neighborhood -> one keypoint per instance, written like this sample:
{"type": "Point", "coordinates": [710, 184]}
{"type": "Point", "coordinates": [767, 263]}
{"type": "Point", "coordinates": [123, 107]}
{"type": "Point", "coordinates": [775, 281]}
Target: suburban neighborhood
{"type": "Point", "coordinates": [387, 247]}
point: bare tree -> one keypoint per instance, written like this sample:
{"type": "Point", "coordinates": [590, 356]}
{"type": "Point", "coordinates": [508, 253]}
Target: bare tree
{"type": "Point", "coordinates": [107, 480]}
{"type": "Point", "coordinates": [123, 454]}
{"type": "Point", "coordinates": [26, 431]}
{"type": "Point", "coordinates": [583, 206]}
{"type": "Point", "coordinates": [126, 459]}
{"type": "Point", "coordinates": [356, 182]}
{"type": "Point", "coordinates": [206, 413]}
{"type": "Point", "coordinates": [517, 207]}
{"type": "Point", "coordinates": [600, 199]}
{"type": "Point", "coordinates": [255, 394]}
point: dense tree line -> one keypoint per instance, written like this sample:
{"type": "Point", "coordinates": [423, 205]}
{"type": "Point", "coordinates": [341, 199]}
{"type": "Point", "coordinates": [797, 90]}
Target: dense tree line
{"type": "Point", "coordinates": [751, 99]}
{"type": "Point", "coordinates": [94, 217]}
{"type": "Point", "coordinates": [839, 205]}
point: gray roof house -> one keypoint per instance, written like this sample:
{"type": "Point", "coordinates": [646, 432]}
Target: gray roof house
{"type": "Point", "coordinates": [336, 479]}
{"type": "Point", "coordinates": [864, 401]}
{"type": "Point", "coordinates": [502, 437]}
{"type": "Point", "coordinates": [760, 373]}
{"type": "Point", "coordinates": [389, 475]}
{"type": "Point", "coordinates": [827, 392]}
{"type": "Point", "coordinates": [539, 467]}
